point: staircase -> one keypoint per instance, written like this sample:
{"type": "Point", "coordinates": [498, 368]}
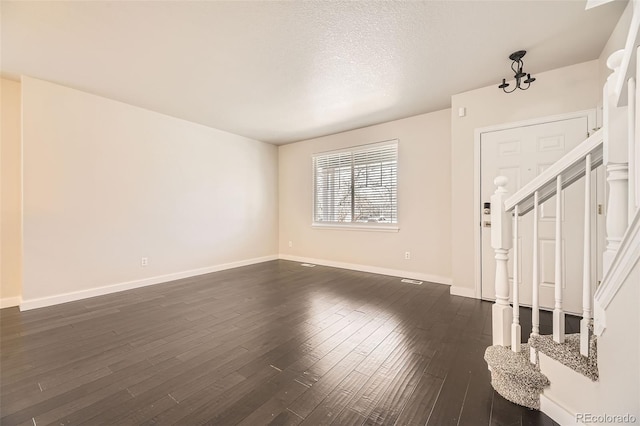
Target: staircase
{"type": "Point", "coordinates": [514, 377]}
{"type": "Point", "coordinates": [578, 378]}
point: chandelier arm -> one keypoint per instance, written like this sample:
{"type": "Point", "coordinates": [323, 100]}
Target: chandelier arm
{"type": "Point", "coordinates": [512, 67]}
{"type": "Point", "coordinates": [510, 91]}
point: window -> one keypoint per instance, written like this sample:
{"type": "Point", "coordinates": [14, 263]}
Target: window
{"type": "Point", "coordinates": [357, 186]}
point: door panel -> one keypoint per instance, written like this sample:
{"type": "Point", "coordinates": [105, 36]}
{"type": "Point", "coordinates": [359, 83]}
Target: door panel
{"type": "Point", "coordinates": [521, 154]}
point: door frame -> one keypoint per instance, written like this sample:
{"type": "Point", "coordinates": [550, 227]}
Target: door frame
{"type": "Point", "coordinates": [590, 114]}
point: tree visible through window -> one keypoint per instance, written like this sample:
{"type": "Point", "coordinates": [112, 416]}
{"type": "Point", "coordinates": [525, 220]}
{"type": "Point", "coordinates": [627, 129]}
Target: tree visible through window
{"type": "Point", "coordinates": [357, 186]}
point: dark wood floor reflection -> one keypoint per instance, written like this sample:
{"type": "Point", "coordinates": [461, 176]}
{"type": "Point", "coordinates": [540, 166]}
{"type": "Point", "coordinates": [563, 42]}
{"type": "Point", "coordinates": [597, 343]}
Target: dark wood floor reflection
{"type": "Point", "coordinates": [274, 343]}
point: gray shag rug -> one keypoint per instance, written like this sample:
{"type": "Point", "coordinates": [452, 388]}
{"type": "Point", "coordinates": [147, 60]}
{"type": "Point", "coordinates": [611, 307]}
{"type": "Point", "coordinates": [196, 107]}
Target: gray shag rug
{"type": "Point", "coordinates": [568, 353]}
{"type": "Point", "coordinates": [514, 377]}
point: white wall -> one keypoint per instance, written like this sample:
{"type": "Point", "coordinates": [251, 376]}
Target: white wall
{"type": "Point", "coordinates": [617, 392]}
{"type": "Point", "coordinates": [10, 195]}
{"type": "Point", "coordinates": [106, 183]}
{"type": "Point", "coordinates": [424, 200]}
{"type": "Point", "coordinates": [563, 90]}
{"type": "Point", "coordinates": [619, 350]}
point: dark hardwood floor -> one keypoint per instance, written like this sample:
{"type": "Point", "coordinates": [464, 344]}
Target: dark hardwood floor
{"type": "Point", "coordinates": [274, 343]}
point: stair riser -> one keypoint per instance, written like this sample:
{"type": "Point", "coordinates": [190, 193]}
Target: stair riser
{"type": "Point", "coordinates": [522, 395]}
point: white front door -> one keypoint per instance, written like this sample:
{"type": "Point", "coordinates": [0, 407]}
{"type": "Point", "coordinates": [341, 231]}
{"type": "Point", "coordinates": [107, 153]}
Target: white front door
{"type": "Point", "coordinates": [521, 154]}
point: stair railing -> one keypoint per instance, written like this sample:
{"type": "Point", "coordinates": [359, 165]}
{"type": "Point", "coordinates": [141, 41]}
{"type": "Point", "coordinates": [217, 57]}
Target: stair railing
{"type": "Point", "coordinates": [612, 146]}
{"type": "Point", "coordinates": [574, 166]}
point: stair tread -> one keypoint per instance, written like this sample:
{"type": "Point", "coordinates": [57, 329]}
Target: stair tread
{"type": "Point", "coordinates": [568, 353]}
{"type": "Point", "coordinates": [514, 377]}
{"type": "Point", "coordinates": [516, 365]}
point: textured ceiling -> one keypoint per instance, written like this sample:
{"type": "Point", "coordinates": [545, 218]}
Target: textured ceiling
{"type": "Point", "coordinates": [287, 71]}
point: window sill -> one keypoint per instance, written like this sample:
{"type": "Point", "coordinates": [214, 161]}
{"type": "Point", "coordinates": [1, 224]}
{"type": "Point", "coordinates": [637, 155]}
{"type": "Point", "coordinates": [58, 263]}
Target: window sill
{"type": "Point", "coordinates": [356, 227]}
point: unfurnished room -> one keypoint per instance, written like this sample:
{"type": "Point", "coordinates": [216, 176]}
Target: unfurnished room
{"type": "Point", "coordinates": [319, 212]}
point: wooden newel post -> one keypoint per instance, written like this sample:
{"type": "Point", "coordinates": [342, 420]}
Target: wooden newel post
{"type": "Point", "coordinates": [501, 242]}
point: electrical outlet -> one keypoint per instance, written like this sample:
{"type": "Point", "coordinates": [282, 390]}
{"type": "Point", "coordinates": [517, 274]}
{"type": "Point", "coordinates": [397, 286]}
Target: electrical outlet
{"type": "Point", "coordinates": [407, 255]}
{"type": "Point", "coordinates": [290, 243]}
{"type": "Point", "coordinates": [144, 261]}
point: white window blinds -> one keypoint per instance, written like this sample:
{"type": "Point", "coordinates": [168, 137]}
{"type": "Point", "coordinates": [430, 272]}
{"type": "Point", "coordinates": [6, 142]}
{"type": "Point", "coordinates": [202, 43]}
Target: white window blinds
{"type": "Point", "coordinates": [357, 186]}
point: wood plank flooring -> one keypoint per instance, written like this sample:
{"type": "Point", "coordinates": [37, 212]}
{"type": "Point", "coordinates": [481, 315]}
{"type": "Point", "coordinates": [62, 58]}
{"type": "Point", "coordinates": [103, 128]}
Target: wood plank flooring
{"type": "Point", "coordinates": [274, 343]}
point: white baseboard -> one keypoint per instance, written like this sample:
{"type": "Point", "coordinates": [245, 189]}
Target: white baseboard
{"type": "Point", "coordinates": [558, 413]}
{"type": "Point", "coordinates": [42, 302]}
{"type": "Point", "coordinates": [8, 302]}
{"type": "Point", "coordinates": [373, 269]}
{"type": "Point", "coordinates": [113, 288]}
{"type": "Point", "coordinates": [463, 291]}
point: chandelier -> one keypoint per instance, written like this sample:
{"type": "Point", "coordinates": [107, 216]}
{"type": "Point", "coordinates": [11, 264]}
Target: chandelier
{"type": "Point", "coordinates": [519, 73]}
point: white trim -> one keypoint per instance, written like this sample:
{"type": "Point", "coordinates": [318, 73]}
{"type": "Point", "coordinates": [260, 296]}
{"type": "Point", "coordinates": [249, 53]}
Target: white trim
{"type": "Point", "coordinates": [373, 269]}
{"type": "Point", "coordinates": [463, 291]}
{"type": "Point", "coordinates": [8, 302]}
{"type": "Point", "coordinates": [477, 219]}
{"type": "Point", "coordinates": [355, 227]}
{"type": "Point", "coordinates": [558, 413]}
{"type": "Point", "coordinates": [589, 113]}
{"type": "Point", "coordinates": [626, 258]}
{"type": "Point", "coordinates": [113, 288]}
{"type": "Point", "coordinates": [42, 302]}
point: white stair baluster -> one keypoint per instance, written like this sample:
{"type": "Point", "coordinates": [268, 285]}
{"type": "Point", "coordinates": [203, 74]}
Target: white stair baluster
{"type": "Point", "coordinates": [558, 312]}
{"type": "Point", "coordinates": [516, 332]}
{"type": "Point", "coordinates": [535, 285]}
{"type": "Point", "coordinates": [585, 332]}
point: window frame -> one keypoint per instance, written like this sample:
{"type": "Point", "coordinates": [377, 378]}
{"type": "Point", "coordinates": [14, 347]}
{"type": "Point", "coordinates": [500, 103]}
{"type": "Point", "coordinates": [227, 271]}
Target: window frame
{"type": "Point", "coordinates": [356, 226]}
